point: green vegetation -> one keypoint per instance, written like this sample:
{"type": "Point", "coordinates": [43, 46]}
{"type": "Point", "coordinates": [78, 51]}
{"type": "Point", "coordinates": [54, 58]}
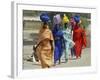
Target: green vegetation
{"type": "Point", "coordinates": [85, 22]}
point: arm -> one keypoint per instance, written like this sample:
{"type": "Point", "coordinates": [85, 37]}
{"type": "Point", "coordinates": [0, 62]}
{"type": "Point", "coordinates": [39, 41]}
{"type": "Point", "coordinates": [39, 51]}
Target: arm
{"type": "Point", "coordinates": [57, 31]}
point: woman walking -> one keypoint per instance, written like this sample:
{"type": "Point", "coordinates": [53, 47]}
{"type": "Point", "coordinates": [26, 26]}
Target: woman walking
{"type": "Point", "coordinates": [58, 39]}
{"type": "Point", "coordinates": [45, 43]}
{"type": "Point", "coordinates": [79, 37]}
{"type": "Point", "coordinates": [67, 37]}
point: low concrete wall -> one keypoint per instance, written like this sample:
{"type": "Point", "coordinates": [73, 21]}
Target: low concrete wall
{"type": "Point", "coordinates": [31, 25]}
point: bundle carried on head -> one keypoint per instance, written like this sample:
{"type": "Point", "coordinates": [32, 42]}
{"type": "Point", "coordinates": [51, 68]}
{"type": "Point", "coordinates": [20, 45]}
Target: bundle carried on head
{"type": "Point", "coordinates": [44, 17]}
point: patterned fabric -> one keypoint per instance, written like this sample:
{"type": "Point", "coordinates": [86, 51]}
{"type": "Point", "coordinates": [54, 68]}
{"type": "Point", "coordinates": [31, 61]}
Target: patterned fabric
{"type": "Point", "coordinates": [68, 41]}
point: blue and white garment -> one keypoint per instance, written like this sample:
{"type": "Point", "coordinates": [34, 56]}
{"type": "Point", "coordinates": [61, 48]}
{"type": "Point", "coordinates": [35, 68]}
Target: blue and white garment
{"type": "Point", "coordinates": [68, 41]}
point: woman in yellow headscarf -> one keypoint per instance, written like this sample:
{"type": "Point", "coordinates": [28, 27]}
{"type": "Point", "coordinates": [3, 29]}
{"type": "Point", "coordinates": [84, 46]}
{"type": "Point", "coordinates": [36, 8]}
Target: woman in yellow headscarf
{"type": "Point", "coordinates": [67, 37]}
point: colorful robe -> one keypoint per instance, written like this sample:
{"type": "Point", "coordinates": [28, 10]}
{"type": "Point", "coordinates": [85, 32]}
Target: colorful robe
{"type": "Point", "coordinates": [79, 37]}
{"type": "Point", "coordinates": [58, 39]}
{"type": "Point", "coordinates": [68, 41]}
{"type": "Point", "coordinates": [45, 48]}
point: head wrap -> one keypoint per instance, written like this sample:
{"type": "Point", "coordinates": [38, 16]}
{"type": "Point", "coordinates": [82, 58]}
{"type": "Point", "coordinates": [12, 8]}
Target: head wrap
{"type": "Point", "coordinates": [57, 19]}
{"type": "Point", "coordinates": [65, 19]}
{"type": "Point", "coordinates": [77, 18]}
{"type": "Point", "coordinates": [44, 17]}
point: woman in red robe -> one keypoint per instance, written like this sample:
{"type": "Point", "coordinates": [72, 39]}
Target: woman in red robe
{"type": "Point", "coordinates": [79, 37]}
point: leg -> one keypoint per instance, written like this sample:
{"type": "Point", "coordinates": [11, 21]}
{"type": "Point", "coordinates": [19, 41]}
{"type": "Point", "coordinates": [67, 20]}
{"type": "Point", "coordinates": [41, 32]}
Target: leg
{"type": "Point", "coordinates": [66, 53]}
{"type": "Point", "coordinates": [73, 52]}
{"type": "Point", "coordinates": [59, 61]}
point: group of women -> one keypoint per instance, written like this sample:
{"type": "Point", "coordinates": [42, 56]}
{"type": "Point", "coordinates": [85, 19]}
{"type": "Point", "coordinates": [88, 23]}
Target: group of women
{"type": "Point", "coordinates": [67, 37]}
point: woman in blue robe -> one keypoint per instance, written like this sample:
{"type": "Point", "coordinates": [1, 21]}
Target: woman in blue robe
{"type": "Point", "coordinates": [58, 39]}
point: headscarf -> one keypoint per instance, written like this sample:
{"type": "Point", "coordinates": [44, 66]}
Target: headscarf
{"type": "Point", "coordinates": [44, 17]}
{"type": "Point", "coordinates": [65, 19]}
{"type": "Point", "coordinates": [57, 19]}
{"type": "Point", "coordinates": [77, 18]}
